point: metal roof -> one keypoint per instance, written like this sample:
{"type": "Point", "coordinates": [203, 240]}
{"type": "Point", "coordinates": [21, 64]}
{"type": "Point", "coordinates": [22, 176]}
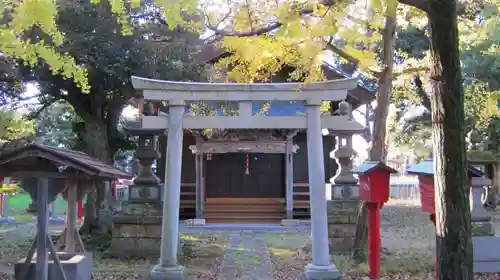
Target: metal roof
{"type": "Point", "coordinates": [78, 161]}
{"type": "Point", "coordinates": [426, 167]}
{"type": "Point", "coordinates": [368, 166]}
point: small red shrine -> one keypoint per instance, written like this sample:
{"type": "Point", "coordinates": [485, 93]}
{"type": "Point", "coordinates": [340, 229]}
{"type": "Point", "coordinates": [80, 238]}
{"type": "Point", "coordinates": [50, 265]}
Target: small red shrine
{"type": "Point", "coordinates": [425, 172]}
{"type": "Point", "coordinates": [374, 180]}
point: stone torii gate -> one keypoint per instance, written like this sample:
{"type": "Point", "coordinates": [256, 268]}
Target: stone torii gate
{"type": "Point", "coordinates": [312, 94]}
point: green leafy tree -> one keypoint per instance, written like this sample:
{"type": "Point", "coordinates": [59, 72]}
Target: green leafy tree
{"type": "Point", "coordinates": [54, 126]}
{"type": "Point", "coordinates": [14, 126]}
{"type": "Point", "coordinates": [93, 37]}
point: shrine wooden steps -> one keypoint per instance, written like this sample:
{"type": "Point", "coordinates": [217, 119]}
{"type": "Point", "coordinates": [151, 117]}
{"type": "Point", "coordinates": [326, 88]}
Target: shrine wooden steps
{"type": "Point", "coordinates": [301, 203]}
{"type": "Point", "coordinates": [245, 210]}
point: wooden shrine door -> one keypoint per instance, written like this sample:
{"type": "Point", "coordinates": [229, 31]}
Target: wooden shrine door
{"type": "Point", "coordinates": [226, 175]}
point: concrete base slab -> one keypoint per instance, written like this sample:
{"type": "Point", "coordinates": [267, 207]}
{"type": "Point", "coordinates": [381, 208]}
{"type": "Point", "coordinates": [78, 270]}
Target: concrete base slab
{"type": "Point", "coordinates": [54, 220]}
{"type": "Point", "coordinates": [199, 222]}
{"type": "Point", "coordinates": [4, 220]}
{"type": "Point", "coordinates": [486, 257]}
{"type": "Point", "coordinates": [289, 222]}
{"type": "Point", "coordinates": [167, 273]}
{"type": "Point", "coordinates": [314, 272]}
{"type": "Point", "coordinates": [75, 266]}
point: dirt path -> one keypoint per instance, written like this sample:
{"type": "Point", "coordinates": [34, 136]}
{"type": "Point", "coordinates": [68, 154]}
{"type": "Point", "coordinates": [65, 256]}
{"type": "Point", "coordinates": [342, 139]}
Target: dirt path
{"type": "Point", "coordinates": [246, 258]}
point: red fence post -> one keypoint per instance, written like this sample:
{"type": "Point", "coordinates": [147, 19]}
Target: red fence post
{"type": "Point", "coordinates": [374, 181]}
{"type": "Point", "coordinates": [80, 210]}
{"type": "Point", "coordinates": [374, 240]}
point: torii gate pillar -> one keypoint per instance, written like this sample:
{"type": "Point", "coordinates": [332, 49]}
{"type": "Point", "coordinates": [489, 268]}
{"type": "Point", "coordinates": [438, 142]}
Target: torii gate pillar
{"type": "Point", "coordinates": [168, 268]}
{"type": "Point", "coordinates": [321, 268]}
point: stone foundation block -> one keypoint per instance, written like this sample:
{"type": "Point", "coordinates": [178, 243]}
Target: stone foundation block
{"type": "Point", "coordinates": [75, 266]}
{"type": "Point", "coordinates": [342, 218]}
{"type": "Point", "coordinates": [341, 230]}
{"type": "Point", "coordinates": [135, 236]}
{"type": "Point", "coordinates": [482, 228]}
{"type": "Point", "coordinates": [486, 257]}
{"type": "Point", "coordinates": [289, 222]}
{"type": "Point", "coordinates": [330, 272]}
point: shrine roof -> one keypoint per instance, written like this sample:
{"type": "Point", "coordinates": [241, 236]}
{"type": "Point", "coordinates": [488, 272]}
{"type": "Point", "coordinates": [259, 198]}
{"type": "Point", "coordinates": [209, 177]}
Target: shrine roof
{"type": "Point", "coordinates": [368, 166]}
{"type": "Point", "coordinates": [426, 167]}
{"type": "Point", "coordinates": [37, 157]}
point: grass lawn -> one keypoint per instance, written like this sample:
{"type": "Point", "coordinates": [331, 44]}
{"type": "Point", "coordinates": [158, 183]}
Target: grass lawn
{"type": "Point", "coordinates": [200, 254]}
{"type": "Point", "coordinates": [19, 203]}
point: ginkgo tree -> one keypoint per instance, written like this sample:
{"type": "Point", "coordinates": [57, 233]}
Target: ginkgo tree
{"type": "Point", "coordinates": [265, 35]}
{"type": "Point", "coordinates": [295, 23]}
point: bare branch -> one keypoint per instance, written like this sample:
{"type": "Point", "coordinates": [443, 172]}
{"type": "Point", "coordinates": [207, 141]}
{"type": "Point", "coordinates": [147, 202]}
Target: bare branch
{"type": "Point", "coordinates": [411, 71]}
{"type": "Point", "coordinates": [341, 53]}
{"type": "Point", "coordinates": [265, 29]}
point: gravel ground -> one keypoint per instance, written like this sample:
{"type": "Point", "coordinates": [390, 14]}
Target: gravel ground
{"type": "Point", "coordinates": [407, 238]}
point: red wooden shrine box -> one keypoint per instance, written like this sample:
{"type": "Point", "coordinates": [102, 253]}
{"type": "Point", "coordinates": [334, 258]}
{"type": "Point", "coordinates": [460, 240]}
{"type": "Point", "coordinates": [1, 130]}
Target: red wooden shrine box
{"type": "Point", "coordinates": [374, 181]}
{"type": "Point", "coordinates": [425, 172]}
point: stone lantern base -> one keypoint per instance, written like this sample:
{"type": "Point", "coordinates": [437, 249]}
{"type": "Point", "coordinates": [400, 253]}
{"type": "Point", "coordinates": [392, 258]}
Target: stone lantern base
{"type": "Point", "coordinates": [137, 236]}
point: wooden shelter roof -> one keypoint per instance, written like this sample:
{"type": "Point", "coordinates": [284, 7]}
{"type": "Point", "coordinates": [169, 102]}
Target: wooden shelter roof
{"type": "Point", "coordinates": [41, 158]}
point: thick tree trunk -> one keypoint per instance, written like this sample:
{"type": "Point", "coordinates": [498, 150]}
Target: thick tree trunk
{"type": "Point", "coordinates": [378, 150]}
{"type": "Point", "coordinates": [94, 135]}
{"type": "Point", "coordinates": [453, 218]}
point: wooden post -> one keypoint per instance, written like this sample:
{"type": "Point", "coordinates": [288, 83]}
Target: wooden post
{"type": "Point", "coordinates": [374, 240]}
{"type": "Point", "coordinates": [71, 217]}
{"type": "Point", "coordinates": [289, 178]}
{"type": "Point", "coordinates": [199, 180]}
{"type": "Point", "coordinates": [42, 264]}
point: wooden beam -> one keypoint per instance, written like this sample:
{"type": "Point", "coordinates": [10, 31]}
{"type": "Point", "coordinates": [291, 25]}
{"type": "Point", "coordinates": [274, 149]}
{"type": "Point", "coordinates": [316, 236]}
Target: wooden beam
{"type": "Point", "coordinates": [221, 147]}
{"type": "Point", "coordinates": [59, 175]}
{"type": "Point", "coordinates": [336, 123]}
{"type": "Point", "coordinates": [289, 177]}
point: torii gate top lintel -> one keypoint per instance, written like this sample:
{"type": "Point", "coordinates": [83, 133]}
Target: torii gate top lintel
{"type": "Point", "coordinates": [154, 84]}
{"type": "Point", "coordinates": [334, 90]}
{"type": "Point", "coordinates": [176, 93]}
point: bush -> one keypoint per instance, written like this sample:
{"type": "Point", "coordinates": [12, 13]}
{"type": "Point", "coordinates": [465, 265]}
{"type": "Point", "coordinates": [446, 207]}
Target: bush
{"type": "Point", "coordinates": [11, 189]}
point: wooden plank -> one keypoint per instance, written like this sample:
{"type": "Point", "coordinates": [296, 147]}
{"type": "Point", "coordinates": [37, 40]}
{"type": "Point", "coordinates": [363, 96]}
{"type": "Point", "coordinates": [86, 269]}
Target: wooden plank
{"type": "Point", "coordinates": [301, 184]}
{"type": "Point", "coordinates": [336, 123]}
{"type": "Point", "coordinates": [301, 193]}
{"type": "Point", "coordinates": [233, 200]}
{"type": "Point", "coordinates": [188, 184]}
{"type": "Point", "coordinates": [188, 193]}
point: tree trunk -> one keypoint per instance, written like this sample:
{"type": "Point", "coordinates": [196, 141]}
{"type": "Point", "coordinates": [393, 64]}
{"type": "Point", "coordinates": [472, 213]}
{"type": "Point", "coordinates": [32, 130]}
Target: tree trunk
{"type": "Point", "coordinates": [95, 138]}
{"type": "Point", "coordinates": [495, 182]}
{"type": "Point", "coordinates": [378, 149]}
{"type": "Point", "coordinates": [453, 218]}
